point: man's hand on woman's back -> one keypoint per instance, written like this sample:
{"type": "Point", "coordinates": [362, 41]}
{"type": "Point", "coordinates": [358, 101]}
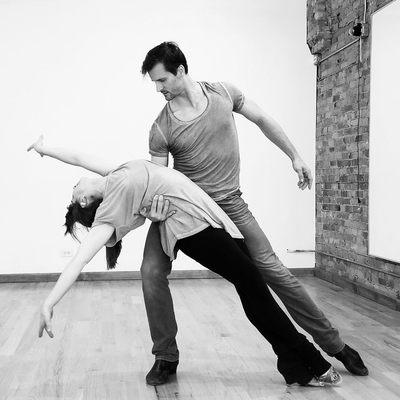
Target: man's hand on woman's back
{"type": "Point", "coordinates": [159, 209]}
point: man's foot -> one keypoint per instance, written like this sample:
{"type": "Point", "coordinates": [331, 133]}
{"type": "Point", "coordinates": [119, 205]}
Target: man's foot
{"type": "Point", "coordinates": [329, 378]}
{"type": "Point", "coordinates": [160, 372]}
{"type": "Point", "coordinates": [352, 361]}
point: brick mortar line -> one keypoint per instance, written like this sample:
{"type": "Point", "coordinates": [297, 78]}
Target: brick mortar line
{"type": "Point", "coordinates": [338, 50]}
{"type": "Point", "coordinates": [320, 79]}
{"type": "Point", "coordinates": [358, 263]}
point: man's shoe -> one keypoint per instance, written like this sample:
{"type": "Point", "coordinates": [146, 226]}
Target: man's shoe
{"type": "Point", "coordinates": [161, 371]}
{"type": "Point", "coordinates": [352, 361]}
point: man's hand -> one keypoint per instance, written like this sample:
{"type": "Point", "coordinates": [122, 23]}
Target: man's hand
{"type": "Point", "coordinates": [303, 172]}
{"type": "Point", "coordinates": [159, 210]}
{"type": "Point", "coordinates": [46, 314]}
{"type": "Point", "coordinates": [37, 146]}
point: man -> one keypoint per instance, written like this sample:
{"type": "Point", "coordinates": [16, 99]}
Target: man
{"type": "Point", "coordinates": [197, 127]}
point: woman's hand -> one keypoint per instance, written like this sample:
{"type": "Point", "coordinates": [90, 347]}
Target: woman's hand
{"type": "Point", "coordinates": [37, 146]}
{"type": "Point", "coordinates": [46, 314]}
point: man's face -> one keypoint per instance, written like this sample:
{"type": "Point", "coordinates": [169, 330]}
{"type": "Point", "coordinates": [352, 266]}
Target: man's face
{"type": "Point", "coordinates": [168, 84]}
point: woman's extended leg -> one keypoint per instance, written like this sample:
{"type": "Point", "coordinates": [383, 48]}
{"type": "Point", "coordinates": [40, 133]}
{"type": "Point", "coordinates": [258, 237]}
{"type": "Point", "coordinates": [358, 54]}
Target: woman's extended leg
{"type": "Point", "coordinates": [298, 360]}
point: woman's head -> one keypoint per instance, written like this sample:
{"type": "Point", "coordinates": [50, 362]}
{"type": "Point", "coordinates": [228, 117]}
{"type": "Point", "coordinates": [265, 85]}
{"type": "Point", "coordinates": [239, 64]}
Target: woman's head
{"type": "Point", "coordinates": [82, 210]}
{"type": "Point", "coordinates": [87, 190]}
{"type": "Point", "coordinates": [83, 215]}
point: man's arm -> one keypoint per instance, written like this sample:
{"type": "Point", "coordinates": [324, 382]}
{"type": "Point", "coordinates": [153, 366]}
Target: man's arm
{"type": "Point", "coordinates": [273, 131]}
{"type": "Point", "coordinates": [159, 210]}
{"type": "Point", "coordinates": [73, 157]}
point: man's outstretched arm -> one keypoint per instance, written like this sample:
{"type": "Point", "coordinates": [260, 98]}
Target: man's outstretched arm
{"type": "Point", "coordinates": [274, 132]}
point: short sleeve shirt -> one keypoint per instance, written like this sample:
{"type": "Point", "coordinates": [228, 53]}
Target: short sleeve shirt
{"type": "Point", "coordinates": [133, 185]}
{"type": "Point", "coordinates": [205, 149]}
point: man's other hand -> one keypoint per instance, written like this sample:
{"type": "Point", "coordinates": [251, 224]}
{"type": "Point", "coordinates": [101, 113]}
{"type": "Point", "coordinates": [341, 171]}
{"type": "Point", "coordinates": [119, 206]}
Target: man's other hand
{"type": "Point", "coordinates": [304, 174]}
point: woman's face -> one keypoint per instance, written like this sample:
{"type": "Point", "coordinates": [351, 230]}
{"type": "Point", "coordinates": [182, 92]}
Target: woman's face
{"type": "Point", "coordinates": [82, 192]}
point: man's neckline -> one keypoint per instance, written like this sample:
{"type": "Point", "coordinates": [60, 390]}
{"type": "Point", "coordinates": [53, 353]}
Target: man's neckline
{"type": "Point", "coordinates": [180, 121]}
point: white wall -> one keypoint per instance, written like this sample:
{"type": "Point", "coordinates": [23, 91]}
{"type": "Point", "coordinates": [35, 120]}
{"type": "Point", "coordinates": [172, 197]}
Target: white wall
{"type": "Point", "coordinates": [71, 69]}
{"type": "Point", "coordinates": [384, 192]}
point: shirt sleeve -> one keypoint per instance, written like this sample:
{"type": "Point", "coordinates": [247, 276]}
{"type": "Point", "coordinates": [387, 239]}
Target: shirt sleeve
{"type": "Point", "coordinates": [235, 95]}
{"type": "Point", "coordinates": [158, 144]}
{"type": "Point", "coordinates": [116, 210]}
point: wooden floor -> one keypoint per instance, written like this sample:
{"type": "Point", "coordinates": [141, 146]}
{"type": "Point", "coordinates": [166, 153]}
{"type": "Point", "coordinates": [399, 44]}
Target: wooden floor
{"type": "Point", "coordinates": [101, 348]}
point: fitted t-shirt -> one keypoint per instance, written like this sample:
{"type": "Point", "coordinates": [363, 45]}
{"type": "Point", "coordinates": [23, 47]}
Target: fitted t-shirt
{"type": "Point", "coordinates": [133, 185]}
{"type": "Point", "coordinates": [205, 149]}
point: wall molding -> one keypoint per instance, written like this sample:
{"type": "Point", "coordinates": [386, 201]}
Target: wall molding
{"type": "Point", "coordinates": [126, 275]}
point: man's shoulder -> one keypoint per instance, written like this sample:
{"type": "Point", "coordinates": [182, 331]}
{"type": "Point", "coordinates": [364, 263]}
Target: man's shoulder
{"type": "Point", "coordinates": [220, 87]}
{"type": "Point", "coordinates": [162, 116]}
{"type": "Point", "coordinates": [213, 86]}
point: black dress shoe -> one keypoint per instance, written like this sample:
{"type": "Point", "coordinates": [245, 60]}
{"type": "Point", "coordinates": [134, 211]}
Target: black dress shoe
{"type": "Point", "coordinates": [352, 361]}
{"type": "Point", "coordinates": [161, 371]}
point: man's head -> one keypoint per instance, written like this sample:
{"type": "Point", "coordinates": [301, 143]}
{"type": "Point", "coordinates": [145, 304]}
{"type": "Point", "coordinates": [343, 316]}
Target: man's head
{"type": "Point", "coordinates": [166, 66]}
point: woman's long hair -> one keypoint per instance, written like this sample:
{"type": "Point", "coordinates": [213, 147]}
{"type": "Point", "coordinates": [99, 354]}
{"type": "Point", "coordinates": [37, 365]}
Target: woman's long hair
{"type": "Point", "coordinates": [85, 216]}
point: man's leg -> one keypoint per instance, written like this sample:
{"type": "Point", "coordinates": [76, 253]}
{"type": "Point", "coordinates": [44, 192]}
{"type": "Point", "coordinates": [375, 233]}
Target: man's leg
{"type": "Point", "coordinates": [293, 295]}
{"type": "Point", "coordinates": [155, 269]}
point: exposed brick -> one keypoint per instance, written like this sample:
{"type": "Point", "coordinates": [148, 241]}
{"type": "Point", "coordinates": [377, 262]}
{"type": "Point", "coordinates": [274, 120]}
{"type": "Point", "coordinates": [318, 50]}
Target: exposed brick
{"type": "Point", "coordinates": [342, 147]}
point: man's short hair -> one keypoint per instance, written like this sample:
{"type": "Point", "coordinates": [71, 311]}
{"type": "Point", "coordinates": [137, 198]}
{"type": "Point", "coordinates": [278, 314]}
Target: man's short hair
{"type": "Point", "coordinates": [167, 53]}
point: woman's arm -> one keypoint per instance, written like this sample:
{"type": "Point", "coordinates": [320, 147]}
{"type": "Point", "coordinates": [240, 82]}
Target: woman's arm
{"type": "Point", "coordinates": [94, 241]}
{"type": "Point", "coordinates": [72, 157]}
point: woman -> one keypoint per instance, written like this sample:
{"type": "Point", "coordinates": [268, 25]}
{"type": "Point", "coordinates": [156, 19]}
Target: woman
{"type": "Point", "coordinates": [111, 206]}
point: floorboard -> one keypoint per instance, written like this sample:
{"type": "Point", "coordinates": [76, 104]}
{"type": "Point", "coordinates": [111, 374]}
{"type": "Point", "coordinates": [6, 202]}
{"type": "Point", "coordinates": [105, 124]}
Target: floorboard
{"type": "Point", "coordinates": [102, 348]}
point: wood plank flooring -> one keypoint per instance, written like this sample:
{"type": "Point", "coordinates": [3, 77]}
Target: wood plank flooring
{"type": "Point", "coordinates": [101, 348]}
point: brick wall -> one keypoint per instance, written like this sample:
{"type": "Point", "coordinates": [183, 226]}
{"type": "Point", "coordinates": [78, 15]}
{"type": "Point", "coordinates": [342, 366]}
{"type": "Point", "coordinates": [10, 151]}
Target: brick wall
{"type": "Point", "coordinates": [342, 151]}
